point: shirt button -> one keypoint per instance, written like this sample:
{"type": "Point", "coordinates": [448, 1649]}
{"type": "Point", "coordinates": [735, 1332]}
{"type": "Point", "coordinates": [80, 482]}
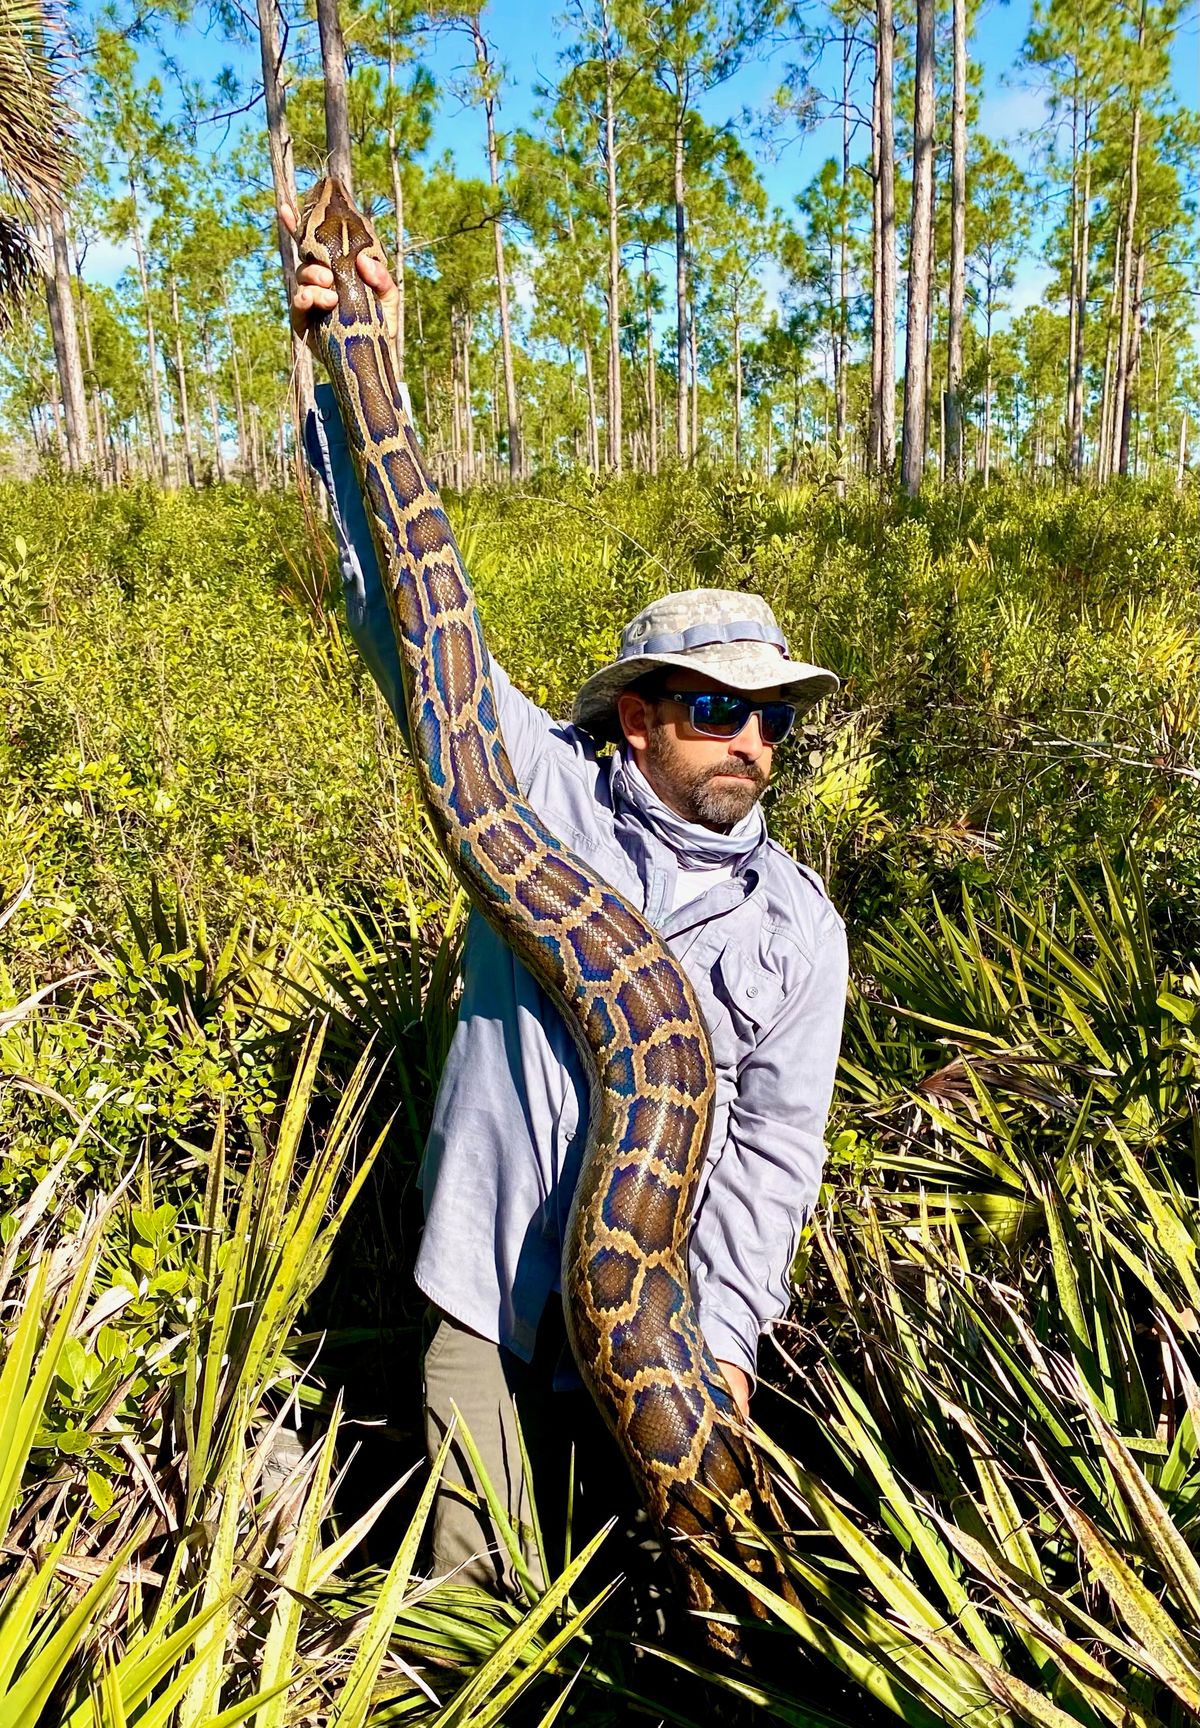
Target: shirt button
{"type": "Point", "coordinates": [752, 989]}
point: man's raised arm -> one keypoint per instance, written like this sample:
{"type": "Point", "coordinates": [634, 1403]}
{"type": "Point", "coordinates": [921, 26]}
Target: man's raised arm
{"type": "Point", "coordinates": [525, 726]}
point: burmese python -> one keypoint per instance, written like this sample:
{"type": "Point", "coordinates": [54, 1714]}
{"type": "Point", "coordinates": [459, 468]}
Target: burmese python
{"type": "Point", "coordinates": [630, 1006]}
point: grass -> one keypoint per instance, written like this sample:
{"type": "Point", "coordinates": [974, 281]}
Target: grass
{"type": "Point", "coordinates": [228, 956]}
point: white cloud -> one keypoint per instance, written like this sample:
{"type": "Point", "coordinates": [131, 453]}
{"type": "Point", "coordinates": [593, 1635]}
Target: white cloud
{"type": "Point", "coordinates": [1006, 111]}
{"type": "Point", "coordinates": [107, 260]}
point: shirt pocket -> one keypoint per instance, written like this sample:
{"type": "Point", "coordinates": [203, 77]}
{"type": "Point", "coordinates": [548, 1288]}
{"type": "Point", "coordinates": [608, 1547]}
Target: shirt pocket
{"type": "Point", "coordinates": [752, 995]}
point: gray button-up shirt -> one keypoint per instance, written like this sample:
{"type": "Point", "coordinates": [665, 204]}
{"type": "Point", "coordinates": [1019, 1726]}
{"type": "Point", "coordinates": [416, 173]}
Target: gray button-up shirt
{"type": "Point", "coordinates": [767, 955]}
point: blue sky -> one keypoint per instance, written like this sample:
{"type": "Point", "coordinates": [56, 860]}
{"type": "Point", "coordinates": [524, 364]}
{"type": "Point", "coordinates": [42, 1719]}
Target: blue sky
{"type": "Point", "coordinates": [529, 41]}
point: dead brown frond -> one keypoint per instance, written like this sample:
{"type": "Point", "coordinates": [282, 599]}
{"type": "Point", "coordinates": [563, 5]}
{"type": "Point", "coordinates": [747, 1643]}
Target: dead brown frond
{"type": "Point", "coordinates": [34, 153]}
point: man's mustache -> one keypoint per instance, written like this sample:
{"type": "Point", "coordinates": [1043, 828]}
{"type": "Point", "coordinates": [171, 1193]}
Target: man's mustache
{"type": "Point", "coordinates": [747, 771]}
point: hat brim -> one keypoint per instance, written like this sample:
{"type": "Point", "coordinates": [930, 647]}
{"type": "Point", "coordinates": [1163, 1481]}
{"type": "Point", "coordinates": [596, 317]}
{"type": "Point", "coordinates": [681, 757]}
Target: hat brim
{"type": "Point", "coordinates": [743, 666]}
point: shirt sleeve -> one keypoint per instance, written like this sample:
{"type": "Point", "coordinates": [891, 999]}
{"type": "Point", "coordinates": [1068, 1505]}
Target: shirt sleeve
{"type": "Point", "coordinates": [527, 728]}
{"type": "Point", "coordinates": [764, 1183]}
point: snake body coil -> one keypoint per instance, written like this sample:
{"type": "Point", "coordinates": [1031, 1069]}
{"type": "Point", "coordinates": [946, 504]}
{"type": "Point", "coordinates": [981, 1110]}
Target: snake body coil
{"type": "Point", "coordinates": [629, 1313]}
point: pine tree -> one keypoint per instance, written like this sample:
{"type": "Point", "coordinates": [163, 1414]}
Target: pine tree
{"type": "Point", "coordinates": [690, 47]}
{"type": "Point", "coordinates": [912, 459]}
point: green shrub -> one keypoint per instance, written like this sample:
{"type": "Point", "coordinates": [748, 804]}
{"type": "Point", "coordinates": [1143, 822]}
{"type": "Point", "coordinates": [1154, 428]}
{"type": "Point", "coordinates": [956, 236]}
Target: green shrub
{"type": "Point", "coordinates": [209, 840]}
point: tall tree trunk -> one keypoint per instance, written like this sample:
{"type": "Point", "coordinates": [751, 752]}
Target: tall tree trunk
{"type": "Point", "coordinates": [337, 108]}
{"type": "Point", "coordinates": [397, 198]}
{"type": "Point", "coordinates": [695, 378]}
{"type": "Point", "coordinates": [576, 441]}
{"type": "Point", "coordinates": [171, 424]}
{"type": "Point", "coordinates": [873, 411]}
{"type": "Point", "coordinates": [987, 392]}
{"type": "Point", "coordinates": [1125, 330]}
{"type": "Point", "coordinates": [1073, 298]}
{"type": "Point", "coordinates": [156, 419]}
{"type": "Point", "coordinates": [455, 409]}
{"type": "Point", "coordinates": [653, 433]}
{"type": "Point", "coordinates": [794, 452]}
{"type": "Point", "coordinates": [843, 329]}
{"type": "Point", "coordinates": [737, 386]}
{"type": "Point", "coordinates": [1133, 361]}
{"type": "Point", "coordinates": [593, 435]}
{"type": "Point", "coordinates": [825, 417]}
{"type": "Point", "coordinates": [681, 309]}
{"type": "Point", "coordinates": [834, 348]}
{"type": "Point", "coordinates": [1181, 457]}
{"type": "Point", "coordinates": [1105, 441]}
{"type": "Point", "coordinates": [468, 330]}
{"type": "Point", "coordinates": [214, 412]}
{"type": "Point", "coordinates": [929, 343]}
{"type": "Point", "coordinates": [953, 453]}
{"type": "Point", "coordinates": [401, 251]}
{"type": "Point", "coordinates": [651, 366]}
{"type": "Point", "coordinates": [100, 427]}
{"type": "Point", "coordinates": [1105, 426]}
{"type": "Point", "coordinates": [887, 238]}
{"type": "Point", "coordinates": [421, 349]}
{"type": "Point", "coordinates": [1156, 403]}
{"type": "Point", "coordinates": [184, 412]}
{"type": "Point", "coordinates": [593, 427]}
{"type": "Point", "coordinates": [615, 406]}
{"type": "Point", "coordinates": [61, 304]}
{"type": "Point", "coordinates": [1080, 320]}
{"type": "Point", "coordinates": [912, 459]}
{"type": "Point", "coordinates": [283, 177]}
{"type": "Point", "coordinates": [485, 69]}
{"type": "Point", "coordinates": [60, 434]}
{"type": "Point", "coordinates": [54, 318]}
{"type": "Point", "coordinates": [245, 453]}
{"type": "Point", "coordinates": [256, 462]}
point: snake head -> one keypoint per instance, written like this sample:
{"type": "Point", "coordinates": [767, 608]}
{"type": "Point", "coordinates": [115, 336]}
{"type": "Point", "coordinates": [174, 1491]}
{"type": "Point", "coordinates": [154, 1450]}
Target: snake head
{"type": "Point", "coordinates": [333, 232]}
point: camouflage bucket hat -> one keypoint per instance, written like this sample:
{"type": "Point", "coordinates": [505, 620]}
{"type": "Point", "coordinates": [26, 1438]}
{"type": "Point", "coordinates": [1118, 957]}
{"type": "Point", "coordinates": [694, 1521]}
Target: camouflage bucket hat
{"type": "Point", "coordinates": [729, 636]}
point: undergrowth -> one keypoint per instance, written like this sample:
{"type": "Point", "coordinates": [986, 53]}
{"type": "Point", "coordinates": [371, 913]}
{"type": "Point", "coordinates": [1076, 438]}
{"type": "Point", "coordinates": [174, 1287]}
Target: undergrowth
{"type": "Point", "coordinates": [987, 1403]}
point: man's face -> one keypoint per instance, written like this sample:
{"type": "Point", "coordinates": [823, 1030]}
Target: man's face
{"type": "Point", "coordinates": [712, 781]}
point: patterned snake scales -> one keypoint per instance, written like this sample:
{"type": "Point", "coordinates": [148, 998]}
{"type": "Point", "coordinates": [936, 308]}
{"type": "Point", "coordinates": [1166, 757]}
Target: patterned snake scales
{"type": "Point", "coordinates": [629, 1312]}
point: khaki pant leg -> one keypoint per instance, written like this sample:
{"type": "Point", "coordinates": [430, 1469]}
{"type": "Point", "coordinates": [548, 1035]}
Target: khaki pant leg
{"type": "Point", "coordinates": [464, 1370]}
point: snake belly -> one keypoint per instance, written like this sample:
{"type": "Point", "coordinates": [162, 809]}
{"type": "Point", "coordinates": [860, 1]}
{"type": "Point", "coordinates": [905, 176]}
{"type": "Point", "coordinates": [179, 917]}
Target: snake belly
{"type": "Point", "coordinates": [629, 1313]}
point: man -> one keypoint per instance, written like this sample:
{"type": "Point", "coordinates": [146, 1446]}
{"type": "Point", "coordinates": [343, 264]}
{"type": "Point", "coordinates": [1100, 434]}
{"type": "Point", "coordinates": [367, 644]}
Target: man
{"type": "Point", "coordinates": [699, 697]}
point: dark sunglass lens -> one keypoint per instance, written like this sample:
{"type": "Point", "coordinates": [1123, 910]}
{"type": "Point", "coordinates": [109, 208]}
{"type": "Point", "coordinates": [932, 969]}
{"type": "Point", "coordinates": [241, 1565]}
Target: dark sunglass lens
{"type": "Point", "coordinates": [777, 719]}
{"type": "Point", "coordinates": [716, 711]}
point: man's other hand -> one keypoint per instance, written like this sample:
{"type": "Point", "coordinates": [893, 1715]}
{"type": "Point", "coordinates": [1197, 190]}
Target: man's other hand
{"type": "Point", "coordinates": [738, 1382]}
{"type": "Point", "coordinates": [315, 291]}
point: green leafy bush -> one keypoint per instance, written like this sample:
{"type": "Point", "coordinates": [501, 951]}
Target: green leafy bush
{"type": "Point", "coordinates": [210, 844]}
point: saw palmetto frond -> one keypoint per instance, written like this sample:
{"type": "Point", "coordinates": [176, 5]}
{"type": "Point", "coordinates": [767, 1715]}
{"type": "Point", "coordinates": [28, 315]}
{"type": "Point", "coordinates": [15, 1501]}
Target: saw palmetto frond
{"type": "Point", "coordinates": [33, 147]}
{"type": "Point", "coordinates": [19, 267]}
{"type": "Point", "coordinates": [33, 156]}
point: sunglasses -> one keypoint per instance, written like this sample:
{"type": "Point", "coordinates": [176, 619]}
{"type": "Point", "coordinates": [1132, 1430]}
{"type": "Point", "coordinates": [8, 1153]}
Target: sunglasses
{"type": "Point", "coordinates": [721, 714]}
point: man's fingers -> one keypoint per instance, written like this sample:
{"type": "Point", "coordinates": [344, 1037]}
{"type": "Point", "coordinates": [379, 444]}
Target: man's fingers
{"type": "Point", "coordinates": [309, 297]}
{"type": "Point", "coordinates": [375, 274]}
{"type": "Point", "coordinates": [314, 284]}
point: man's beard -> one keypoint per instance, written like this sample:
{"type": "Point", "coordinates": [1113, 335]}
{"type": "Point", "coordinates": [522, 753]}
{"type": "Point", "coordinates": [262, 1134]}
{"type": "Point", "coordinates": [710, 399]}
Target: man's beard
{"type": "Point", "coordinates": [699, 796]}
